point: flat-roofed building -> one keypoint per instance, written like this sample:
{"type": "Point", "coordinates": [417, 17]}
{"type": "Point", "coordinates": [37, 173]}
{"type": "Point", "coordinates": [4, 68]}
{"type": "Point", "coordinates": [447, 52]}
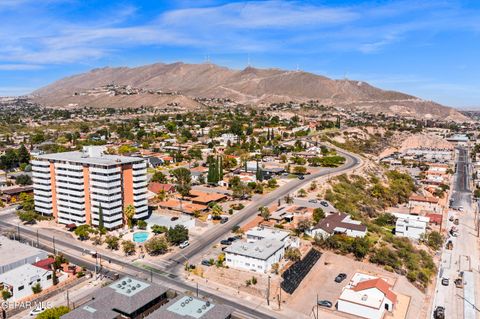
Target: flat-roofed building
{"type": "Point", "coordinates": [411, 226]}
{"type": "Point", "coordinates": [258, 256]}
{"type": "Point", "coordinates": [19, 281]}
{"type": "Point", "coordinates": [15, 254]}
{"type": "Point", "coordinates": [187, 307]}
{"type": "Point", "coordinates": [127, 298]}
{"type": "Point", "coordinates": [73, 186]}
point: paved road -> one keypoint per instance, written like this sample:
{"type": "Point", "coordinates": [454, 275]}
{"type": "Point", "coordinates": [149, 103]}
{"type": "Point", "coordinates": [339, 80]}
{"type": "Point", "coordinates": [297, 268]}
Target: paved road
{"type": "Point", "coordinates": [251, 210]}
{"type": "Point", "coordinates": [74, 252]}
{"type": "Point", "coordinates": [464, 257]}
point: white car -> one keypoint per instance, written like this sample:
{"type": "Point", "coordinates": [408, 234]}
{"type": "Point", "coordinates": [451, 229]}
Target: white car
{"type": "Point", "coordinates": [37, 310]}
{"type": "Point", "coordinates": [184, 244]}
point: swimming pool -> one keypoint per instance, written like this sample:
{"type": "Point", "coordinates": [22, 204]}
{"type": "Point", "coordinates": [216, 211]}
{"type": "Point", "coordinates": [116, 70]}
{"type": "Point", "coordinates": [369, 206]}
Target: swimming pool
{"type": "Point", "coordinates": [140, 237]}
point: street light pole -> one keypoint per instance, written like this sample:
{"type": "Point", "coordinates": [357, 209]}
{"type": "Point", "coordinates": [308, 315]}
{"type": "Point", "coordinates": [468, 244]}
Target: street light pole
{"type": "Point", "coordinates": [53, 240]}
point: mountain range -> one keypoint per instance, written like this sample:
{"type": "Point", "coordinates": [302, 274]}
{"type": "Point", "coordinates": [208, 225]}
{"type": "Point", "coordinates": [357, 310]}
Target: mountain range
{"type": "Point", "coordinates": [182, 84]}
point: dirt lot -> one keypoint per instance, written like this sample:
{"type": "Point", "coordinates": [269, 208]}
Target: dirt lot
{"type": "Point", "coordinates": [320, 281]}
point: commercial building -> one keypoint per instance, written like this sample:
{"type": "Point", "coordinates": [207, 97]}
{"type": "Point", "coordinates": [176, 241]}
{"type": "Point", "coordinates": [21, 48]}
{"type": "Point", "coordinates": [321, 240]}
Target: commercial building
{"type": "Point", "coordinates": [127, 298]}
{"type": "Point", "coordinates": [259, 233]}
{"type": "Point", "coordinates": [15, 254]}
{"type": "Point", "coordinates": [411, 226]}
{"type": "Point", "coordinates": [187, 307]}
{"type": "Point", "coordinates": [367, 297]}
{"type": "Point", "coordinates": [73, 186]}
{"type": "Point", "coordinates": [258, 256]}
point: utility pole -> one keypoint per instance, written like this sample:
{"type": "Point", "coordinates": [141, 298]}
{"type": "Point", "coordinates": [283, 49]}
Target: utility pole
{"type": "Point", "coordinates": [18, 231]}
{"type": "Point", "coordinates": [38, 245]}
{"type": "Point", "coordinates": [268, 291]}
{"type": "Point", "coordinates": [151, 275]}
{"type": "Point", "coordinates": [68, 300]}
{"type": "Point", "coordinates": [53, 240]}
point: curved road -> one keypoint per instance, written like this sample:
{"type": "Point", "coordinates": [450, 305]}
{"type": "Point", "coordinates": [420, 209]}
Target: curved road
{"type": "Point", "coordinates": [352, 161]}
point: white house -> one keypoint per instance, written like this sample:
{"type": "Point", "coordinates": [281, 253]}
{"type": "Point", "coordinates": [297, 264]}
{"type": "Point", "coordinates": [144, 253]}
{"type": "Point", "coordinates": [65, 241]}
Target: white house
{"type": "Point", "coordinates": [258, 256]}
{"type": "Point", "coordinates": [367, 297]}
{"type": "Point", "coordinates": [411, 226]}
{"type": "Point", "coordinates": [260, 233]}
{"type": "Point", "coordinates": [19, 281]}
{"type": "Point", "coordinates": [338, 223]}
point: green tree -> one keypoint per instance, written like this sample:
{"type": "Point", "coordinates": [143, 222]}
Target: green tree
{"type": "Point", "coordinates": [157, 229]}
{"type": "Point", "coordinates": [272, 183]}
{"type": "Point", "coordinates": [293, 254]}
{"type": "Point", "coordinates": [6, 294]}
{"type": "Point", "coordinates": [24, 179]}
{"type": "Point", "coordinates": [299, 170]}
{"type": "Point", "coordinates": [37, 288]}
{"type": "Point", "coordinates": [434, 240]}
{"type": "Point", "coordinates": [142, 224]}
{"type": "Point", "coordinates": [28, 217]}
{"type": "Point", "coordinates": [112, 242]}
{"type": "Point", "coordinates": [54, 313]}
{"type": "Point", "coordinates": [318, 214]}
{"type": "Point", "coordinates": [100, 218]}
{"type": "Point", "coordinates": [156, 246]}
{"type": "Point", "coordinates": [177, 234]}
{"type": "Point", "coordinates": [264, 212]}
{"type": "Point", "coordinates": [128, 247]}
{"type": "Point", "coordinates": [23, 154]}
{"type": "Point", "coordinates": [159, 177]}
{"type": "Point", "coordinates": [129, 213]}
{"type": "Point", "coordinates": [83, 232]}
{"type": "Point", "coordinates": [183, 179]}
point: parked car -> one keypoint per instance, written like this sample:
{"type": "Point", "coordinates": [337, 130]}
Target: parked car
{"type": "Point", "coordinates": [451, 218]}
{"type": "Point", "coordinates": [184, 244]}
{"type": "Point", "coordinates": [224, 220]}
{"type": "Point", "coordinates": [445, 281]}
{"type": "Point", "coordinates": [439, 313]}
{"type": "Point", "coordinates": [232, 239]}
{"type": "Point", "coordinates": [458, 283]}
{"type": "Point", "coordinates": [340, 277]}
{"type": "Point", "coordinates": [225, 242]}
{"type": "Point", "coordinates": [174, 218]}
{"type": "Point", "coordinates": [456, 222]}
{"type": "Point", "coordinates": [301, 177]}
{"type": "Point", "coordinates": [324, 203]}
{"type": "Point", "coordinates": [325, 303]}
{"type": "Point", "coordinates": [37, 310]}
{"type": "Point", "coordinates": [460, 208]}
{"type": "Point", "coordinates": [313, 201]}
{"type": "Point", "coordinates": [206, 263]}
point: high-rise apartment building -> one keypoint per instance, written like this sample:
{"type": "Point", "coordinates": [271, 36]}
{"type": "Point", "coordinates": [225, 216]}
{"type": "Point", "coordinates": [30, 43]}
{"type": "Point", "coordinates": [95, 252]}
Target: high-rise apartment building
{"type": "Point", "coordinates": [72, 186]}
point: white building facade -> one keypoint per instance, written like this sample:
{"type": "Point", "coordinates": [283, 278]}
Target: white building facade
{"type": "Point", "coordinates": [411, 226]}
{"type": "Point", "coordinates": [72, 187]}
{"type": "Point", "coordinates": [258, 256]}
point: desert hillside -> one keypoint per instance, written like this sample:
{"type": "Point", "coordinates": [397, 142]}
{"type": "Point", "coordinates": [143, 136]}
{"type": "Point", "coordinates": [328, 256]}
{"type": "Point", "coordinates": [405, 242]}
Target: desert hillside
{"type": "Point", "coordinates": [158, 84]}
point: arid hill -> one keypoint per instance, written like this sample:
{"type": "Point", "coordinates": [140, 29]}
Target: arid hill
{"type": "Point", "coordinates": [160, 84]}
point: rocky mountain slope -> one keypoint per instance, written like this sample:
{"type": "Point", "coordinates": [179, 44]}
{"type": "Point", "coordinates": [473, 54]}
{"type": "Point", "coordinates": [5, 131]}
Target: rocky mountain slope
{"type": "Point", "coordinates": [179, 83]}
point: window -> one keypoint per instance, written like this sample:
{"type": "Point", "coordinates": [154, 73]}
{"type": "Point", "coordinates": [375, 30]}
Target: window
{"type": "Point", "coordinates": [20, 288]}
{"type": "Point", "coordinates": [247, 264]}
{"type": "Point", "coordinates": [49, 277]}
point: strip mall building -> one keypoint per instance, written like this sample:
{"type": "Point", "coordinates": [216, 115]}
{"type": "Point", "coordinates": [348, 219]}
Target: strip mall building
{"type": "Point", "coordinates": [72, 186]}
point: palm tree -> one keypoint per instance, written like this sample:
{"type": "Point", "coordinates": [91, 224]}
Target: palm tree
{"type": "Point", "coordinates": [129, 213]}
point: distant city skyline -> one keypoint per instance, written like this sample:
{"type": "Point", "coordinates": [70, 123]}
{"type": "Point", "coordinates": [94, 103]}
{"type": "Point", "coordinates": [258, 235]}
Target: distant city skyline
{"type": "Point", "coordinates": [428, 49]}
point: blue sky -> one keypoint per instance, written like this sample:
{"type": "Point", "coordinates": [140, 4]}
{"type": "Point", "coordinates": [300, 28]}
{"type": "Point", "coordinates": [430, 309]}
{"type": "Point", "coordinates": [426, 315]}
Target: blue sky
{"type": "Point", "coordinates": [426, 48]}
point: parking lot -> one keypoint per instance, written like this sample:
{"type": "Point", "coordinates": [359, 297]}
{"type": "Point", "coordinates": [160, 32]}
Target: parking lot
{"type": "Point", "coordinates": [321, 282]}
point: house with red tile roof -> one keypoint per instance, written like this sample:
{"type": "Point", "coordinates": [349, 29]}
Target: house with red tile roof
{"type": "Point", "coordinates": [367, 297]}
{"type": "Point", "coordinates": [156, 188]}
